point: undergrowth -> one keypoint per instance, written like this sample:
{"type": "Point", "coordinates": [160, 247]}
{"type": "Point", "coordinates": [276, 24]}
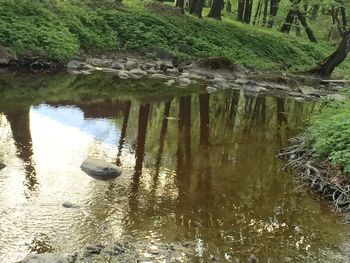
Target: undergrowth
{"type": "Point", "coordinates": [329, 134]}
{"type": "Point", "coordinates": [56, 29]}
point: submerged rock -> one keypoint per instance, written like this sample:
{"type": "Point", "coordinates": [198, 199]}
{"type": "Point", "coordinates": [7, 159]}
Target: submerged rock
{"type": "Point", "coordinates": [100, 169]}
{"type": "Point", "coordinates": [49, 258]}
{"type": "Point", "coordinates": [2, 166]}
{"type": "Point", "coordinates": [94, 249]}
{"type": "Point", "coordinates": [69, 205]}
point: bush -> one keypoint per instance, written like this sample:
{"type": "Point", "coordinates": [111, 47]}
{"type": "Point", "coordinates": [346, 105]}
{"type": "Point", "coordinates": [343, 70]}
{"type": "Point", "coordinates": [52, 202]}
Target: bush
{"type": "Point", "coordinates": [330, 134]}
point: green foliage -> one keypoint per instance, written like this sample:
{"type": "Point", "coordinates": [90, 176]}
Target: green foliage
{"type": "Point", "coordinates": [58, 29]}
{"type": "Point", "coordinates": [51, 29]}
{"type": "Point", "coordinates": [330, 134]}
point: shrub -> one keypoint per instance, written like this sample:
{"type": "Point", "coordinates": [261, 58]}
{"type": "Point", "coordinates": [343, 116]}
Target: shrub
{"type": "Point", "coordinates": [330, 134]}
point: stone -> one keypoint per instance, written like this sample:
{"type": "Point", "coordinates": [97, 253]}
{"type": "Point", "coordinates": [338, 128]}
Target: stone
{"type": "Point", "coordinates": [50, 258]}
{"type": "Point", "coordinates": [253, 259]}
{"type": "Point", "coordinates": [152, 71]}
{"type": "Point", "coordinates": [123, 74]}
{"type": "Point", "coordinates": [184, 81]}
{"type": "Point", "coordinates": [137, 71]}
{"type": "Point", "coordinates": [160, 53]}
{"type": "Point", "coordinates": [295, 94]}
{"type": "Point", "coordinates": [6, 55]}
{"type": "Point", "coordinates": [94, 249]}
{"type": "Point", "coordinates": [74, 64]}
{"type": "Point", "coordinates": [110, 70]}
{"type": "Point", "coordinates": [117, 65]}
{"type": "Point", "coordinates": [253, 87]}
{"type": "Point", "coordinates": [100, 169]}
{"type": "Point", "coordinates": [131, 64]}
{"type": "Point", "coordinates": [210, 89]}
{"type": "Point", "coordinates": [100, 62]}
{"type": "Point", "coordinates": [170, 82]}
{"type": "Point", "coordinates": [159, 76]}
{"type": "Point", "coordinates": [69, 205]}
{"type": "Point", "coordinates": [173, 71]}
{"type": "Point", "coordinates": [2, 166]}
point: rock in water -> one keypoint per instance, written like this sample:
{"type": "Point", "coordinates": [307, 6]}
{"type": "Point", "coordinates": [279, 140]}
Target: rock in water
{"type": "Point", "coordinates": [2, 166]}
{"type": "Point", "coordinates": [100, 169]}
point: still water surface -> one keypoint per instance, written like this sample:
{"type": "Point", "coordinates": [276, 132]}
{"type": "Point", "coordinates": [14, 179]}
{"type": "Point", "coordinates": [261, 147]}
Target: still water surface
{"type": "Point", "coordinates": [197, 168]}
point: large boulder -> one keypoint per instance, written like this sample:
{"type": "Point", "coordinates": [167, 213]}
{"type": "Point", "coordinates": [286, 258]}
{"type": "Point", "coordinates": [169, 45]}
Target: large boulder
{"type": "Point", "coordinates": [100, 169]}
{"type": "Point", "coordinates": [49, 258]}
{"type": "Point", "coordinates": [6, 56]}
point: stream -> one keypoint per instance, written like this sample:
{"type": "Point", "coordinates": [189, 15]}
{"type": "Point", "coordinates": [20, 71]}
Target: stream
{"type": "Point", "coordinates": [199, 170]}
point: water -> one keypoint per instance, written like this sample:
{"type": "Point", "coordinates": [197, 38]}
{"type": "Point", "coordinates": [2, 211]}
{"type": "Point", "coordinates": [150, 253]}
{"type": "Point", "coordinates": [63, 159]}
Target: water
{"type": "Point", "coordinates": [197, 168]}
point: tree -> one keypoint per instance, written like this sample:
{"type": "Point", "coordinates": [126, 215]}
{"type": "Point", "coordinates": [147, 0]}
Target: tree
{"type": "Point", "coordinates": [215, 10]}
{"type": "Point", "coordinates": [326, 69]}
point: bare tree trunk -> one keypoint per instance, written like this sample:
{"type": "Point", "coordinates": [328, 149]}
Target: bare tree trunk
{"type": "Point", "coordinates": [257, 12]}
{"type": "Point", "coordinates": [248, 11]}
{"type": "Point", "coordinates": [266, 2]}
{"type": "Point", "coordinates": [273, 12]}
{"type": "Point", "coordinates": [287, 25]}
{"type": "Point", "coordinates": [308, 30]}
{"type": "Point", "coordinates": [193, 4]}
{"type": "Point", "coordinates": [326, 69]}
{"type": "Point", "coordinates": [215, 10]}
{"type": "Point", "coordinates": [229, 6]}
{"type": "Point", "coordinates": [240, 11]}
{"type": "Point", "coordinates": [199, 8]}
{"type": "Point", "coordinates": [180, 3]}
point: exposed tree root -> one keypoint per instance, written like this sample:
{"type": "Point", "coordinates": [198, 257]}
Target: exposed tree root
{"type": "Point", "coordinates": [300, 159]}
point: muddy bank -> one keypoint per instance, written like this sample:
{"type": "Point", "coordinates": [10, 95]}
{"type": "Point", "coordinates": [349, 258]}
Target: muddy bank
{"type": "Point", "coordinates": [322, 178]}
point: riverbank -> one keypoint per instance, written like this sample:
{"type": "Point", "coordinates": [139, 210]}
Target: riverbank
{"type": "Point", "coordinates": [51, 34]}
{"type": "Point", "coordinates": [320, 156]}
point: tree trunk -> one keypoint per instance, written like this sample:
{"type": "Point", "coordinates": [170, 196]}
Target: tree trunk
{"type": "Point", "coordinates": [215, 10]}
{"type": "Point", "coordinates": [308, 30]}
{"type": "Point", "coordinates": [180, 3]}
{"type": "Point", "coordinates": [326, 69]}
{"type": "Point", "coordinates": [266, 2]}
{"type": "Point", "coordinates": [287, 25]}
{"type": "Point", "coordinates": [240, 11]}
{"type": "Point", "coordinates": [248, 11]}
{"type": "Point", "coordinates": [257, 12]}
{"type": "Point", "coordinates": [199, 8]}
{"type": "Point", "coordinates": [229, 7]}
{"type": "Point", "coordinates": [273, 12]}
{"type": "Point", "coordinates": [314, 11]}
{"type": "Point", "coordinates": [193, 4]}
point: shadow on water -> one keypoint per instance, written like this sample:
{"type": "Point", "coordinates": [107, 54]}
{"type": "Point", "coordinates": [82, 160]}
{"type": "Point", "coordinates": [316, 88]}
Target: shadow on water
{"type": "Point", "coordinates": [198, 169]}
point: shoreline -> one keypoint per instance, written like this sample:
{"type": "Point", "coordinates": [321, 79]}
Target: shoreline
{"type": "Point", "coordinates": [321, 178]}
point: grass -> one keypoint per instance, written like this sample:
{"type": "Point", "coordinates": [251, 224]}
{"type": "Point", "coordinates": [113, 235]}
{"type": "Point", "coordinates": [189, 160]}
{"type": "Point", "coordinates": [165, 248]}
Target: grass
{"type": "Point", "coordinates": [59, 30]}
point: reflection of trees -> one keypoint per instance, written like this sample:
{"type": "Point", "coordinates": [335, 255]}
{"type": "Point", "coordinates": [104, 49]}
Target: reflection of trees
{"type": "Point", "coordinates": [163, 131]}
{"type": "Point", "coordinates": [144, 111]}
{"type": "Point", "coordinates": [20, 127]}
{"type": "Point", "coordinates": [126, 113]}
